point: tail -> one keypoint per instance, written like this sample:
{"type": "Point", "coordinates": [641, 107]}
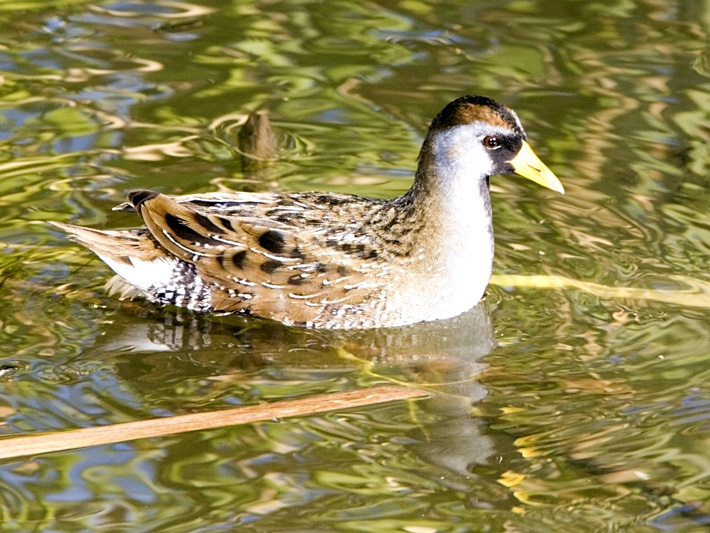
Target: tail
{"type": "Point", "coordinates": [134, 256]}
{"type": "Point", "coordinates": [116, 245]}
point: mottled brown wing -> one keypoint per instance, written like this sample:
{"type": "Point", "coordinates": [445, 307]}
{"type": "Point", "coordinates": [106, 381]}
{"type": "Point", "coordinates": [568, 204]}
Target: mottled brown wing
{"type": "Point", "coordinates": [271, 268]}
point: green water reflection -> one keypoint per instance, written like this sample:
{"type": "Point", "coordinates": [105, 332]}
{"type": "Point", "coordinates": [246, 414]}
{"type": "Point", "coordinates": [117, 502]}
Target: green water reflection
{"type": "Point", "coordinates": [553, 410]}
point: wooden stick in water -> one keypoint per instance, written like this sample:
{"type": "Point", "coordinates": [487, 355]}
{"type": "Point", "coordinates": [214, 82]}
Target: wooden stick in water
{"type": "Point", "coordinates": [157, 427]}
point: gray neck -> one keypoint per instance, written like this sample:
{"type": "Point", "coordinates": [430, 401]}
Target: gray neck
{"type": "Point", "coordinates": [454, 248]}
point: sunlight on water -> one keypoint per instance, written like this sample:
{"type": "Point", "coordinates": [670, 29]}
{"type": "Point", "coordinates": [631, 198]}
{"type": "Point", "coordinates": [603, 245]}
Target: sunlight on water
{"type": "Point", "coordinates": [575, 399]}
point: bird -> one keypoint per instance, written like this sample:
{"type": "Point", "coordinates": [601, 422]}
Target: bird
{"type": "Point", "coordinates": [331, 260]}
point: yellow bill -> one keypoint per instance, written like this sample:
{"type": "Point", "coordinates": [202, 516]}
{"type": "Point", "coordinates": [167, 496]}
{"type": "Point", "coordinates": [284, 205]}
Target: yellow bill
{"type": "Point", "coordinates": [527, 164]}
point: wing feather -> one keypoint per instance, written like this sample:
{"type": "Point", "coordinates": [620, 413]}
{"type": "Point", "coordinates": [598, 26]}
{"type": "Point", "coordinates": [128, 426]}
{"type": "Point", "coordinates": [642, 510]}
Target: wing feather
{"type": "Point", "coordinates": [266, 266]}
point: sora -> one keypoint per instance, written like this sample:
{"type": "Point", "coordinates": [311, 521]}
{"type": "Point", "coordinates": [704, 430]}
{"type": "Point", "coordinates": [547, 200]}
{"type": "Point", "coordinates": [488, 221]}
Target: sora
{"type": "Point", "coordinates": [327, 260]}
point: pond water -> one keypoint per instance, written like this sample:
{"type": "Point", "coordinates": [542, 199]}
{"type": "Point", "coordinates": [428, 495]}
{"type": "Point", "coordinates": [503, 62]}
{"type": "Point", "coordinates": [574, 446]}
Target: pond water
{"type": "Point", "coordinates": [576, 398]}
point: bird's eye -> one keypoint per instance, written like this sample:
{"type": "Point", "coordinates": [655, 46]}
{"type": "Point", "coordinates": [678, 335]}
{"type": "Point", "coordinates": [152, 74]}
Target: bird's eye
{"type": "Point", "coordinates": [491, 142]}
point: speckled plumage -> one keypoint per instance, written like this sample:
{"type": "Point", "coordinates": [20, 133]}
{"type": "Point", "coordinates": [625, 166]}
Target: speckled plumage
{"type": "Point", "coordinates": [332, 260]}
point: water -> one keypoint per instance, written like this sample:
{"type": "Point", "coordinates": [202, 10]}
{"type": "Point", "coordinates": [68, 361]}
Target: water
{"type": "Point", "coordinates": [575, 399]}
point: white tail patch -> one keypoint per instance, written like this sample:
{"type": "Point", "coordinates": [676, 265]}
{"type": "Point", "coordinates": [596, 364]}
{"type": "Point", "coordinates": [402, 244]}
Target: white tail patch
{"type": "Point", "coordinates": [143, 274]}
